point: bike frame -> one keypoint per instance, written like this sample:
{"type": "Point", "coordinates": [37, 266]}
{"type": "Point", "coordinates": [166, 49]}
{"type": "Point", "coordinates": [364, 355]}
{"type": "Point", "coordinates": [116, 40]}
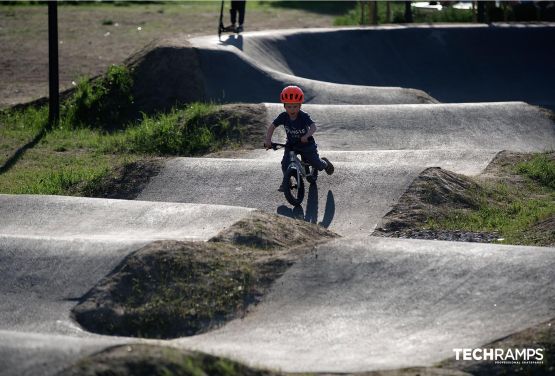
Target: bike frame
{"type": "Point", "coordinates": [297, 169]}
{"type": "Point", "coordinates": [296, 163]}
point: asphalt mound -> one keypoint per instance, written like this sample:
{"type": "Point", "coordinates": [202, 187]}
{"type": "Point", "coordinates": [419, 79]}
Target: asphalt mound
{"type": "Point", "coordinates": [230, 75]}
{"type": "Point", "coordinates": [389, 303]}
{"type": "Point", "coordinates": [476, 63]}
{"type": "Point", "coordinates": [29, 217]}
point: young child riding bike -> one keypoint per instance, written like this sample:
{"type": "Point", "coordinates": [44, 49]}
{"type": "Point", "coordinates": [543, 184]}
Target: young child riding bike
{"type": "Point", "coordinates": [299, 128]}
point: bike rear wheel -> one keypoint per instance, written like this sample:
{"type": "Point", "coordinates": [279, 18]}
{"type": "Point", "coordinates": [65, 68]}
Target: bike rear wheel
{"type": "Point", "coordinates": [293, 187]}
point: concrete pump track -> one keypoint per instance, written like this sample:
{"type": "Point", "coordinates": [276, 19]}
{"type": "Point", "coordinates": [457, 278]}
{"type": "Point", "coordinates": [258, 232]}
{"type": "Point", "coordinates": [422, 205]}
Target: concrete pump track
{"type": "Point", "coordinates": [365, 303]}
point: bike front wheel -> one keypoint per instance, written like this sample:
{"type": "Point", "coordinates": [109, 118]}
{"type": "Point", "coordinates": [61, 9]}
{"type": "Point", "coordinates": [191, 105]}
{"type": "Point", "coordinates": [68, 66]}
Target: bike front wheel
{"type": "Point", "coordinates": [293, 187]}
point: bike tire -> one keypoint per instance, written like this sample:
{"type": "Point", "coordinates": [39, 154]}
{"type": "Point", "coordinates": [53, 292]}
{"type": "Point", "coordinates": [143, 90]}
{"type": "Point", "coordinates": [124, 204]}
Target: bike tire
{"type": "Point", "coordinates": [294, 187]}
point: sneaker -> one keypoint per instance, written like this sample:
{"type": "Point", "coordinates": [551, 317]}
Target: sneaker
{"type": "Point", "coordinates": [329, 168]}
{"type": "Point", "coordinates": [281, 187]}
{"type": "Point", "coordinates": [239, 29]}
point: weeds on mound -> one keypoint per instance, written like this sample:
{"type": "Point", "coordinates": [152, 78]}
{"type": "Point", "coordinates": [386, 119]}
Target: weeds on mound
{"type": "Point", "coordinates": [98, 131]}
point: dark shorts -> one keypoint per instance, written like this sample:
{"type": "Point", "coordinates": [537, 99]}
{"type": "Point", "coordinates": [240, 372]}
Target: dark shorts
{"type": "Point", "coordinates": [309, 154]}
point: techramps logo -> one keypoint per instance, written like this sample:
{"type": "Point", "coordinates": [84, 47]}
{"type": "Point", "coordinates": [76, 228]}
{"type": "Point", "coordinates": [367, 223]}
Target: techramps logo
{"type": "Point", "coordinates": [502, 356]}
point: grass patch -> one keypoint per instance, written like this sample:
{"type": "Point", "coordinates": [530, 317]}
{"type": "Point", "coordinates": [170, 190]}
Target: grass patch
{"type": "Point", "coordinates": [512, 202]}
{"type": "Point", "coordinates": [148, 360]}
{"type": "Point", "coordinates": [64, 162]}
{"type": "Point", "coordinates": [179, 132]}
{"type": "Point", "coordinates": [521, 197]}
{"type": "Point", "coordinates": [97, 136]}
{"type": "Point", "coordinates": [105, 102]}
{"type": "Point", "coordinates": [540, 168]}
{"type": "Point", "coordinates": [17, 128]}
{"type": "Point", "coordinates": [505, 209]}
{"type": "Point", "coordinates": [73, 160]}
{"type": "Point", "coordinates": [172, 289]}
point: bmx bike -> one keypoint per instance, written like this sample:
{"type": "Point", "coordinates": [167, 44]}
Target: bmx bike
{"type": "Point", "coordinates": [293, 180]}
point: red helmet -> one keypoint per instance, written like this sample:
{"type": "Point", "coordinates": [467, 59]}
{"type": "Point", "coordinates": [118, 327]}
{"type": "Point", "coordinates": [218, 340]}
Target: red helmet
{"type": "Point", "coordinates": [292, 94]}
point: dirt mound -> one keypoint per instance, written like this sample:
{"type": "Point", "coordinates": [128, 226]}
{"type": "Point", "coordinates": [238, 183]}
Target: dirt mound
{"type": "Point", "coordinates": [262, 230]}
{"type": "Point", "coordinates": [434, 190]}
{"type": "Point", "coordinates": [171, 289]}
{"type": "Point", "coordinates": [544, 231]}
{"type": "Point", "coordinates": [148, 360]}
{"type": "Point", "coordinates": [441, 198]}
{"type": "Point", "coordinates": [166, 73]}
{"type": "Point", "coordinates": [124, 182]}
{"type": "Point", "coordinates": [247, 123]}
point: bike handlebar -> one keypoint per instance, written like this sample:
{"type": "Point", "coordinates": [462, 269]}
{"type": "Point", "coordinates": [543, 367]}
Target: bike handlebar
{"type": "Point", "coordinates": [276, 145]}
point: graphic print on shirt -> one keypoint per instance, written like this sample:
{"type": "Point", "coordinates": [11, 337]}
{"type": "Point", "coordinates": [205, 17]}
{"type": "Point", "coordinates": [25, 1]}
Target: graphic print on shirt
{"type": "Point", "coordinates": [295, 129]}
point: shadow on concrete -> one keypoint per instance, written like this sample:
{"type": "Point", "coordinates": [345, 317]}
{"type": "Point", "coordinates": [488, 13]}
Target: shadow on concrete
{"type": "Point", "coordinates": [311, 212]}
{"type": "Point", "coordinates": [233, 40]}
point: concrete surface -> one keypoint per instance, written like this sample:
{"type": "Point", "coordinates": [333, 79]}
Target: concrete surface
{"type": "Point", "coordinates": [451, 63]}
{"type": "Point", "coordinates": [377, 151]}
{"type": "Point", "coordinates": [232, 76]}
{"type": "Point", "coordinates": [464, 126]}
{"type": "Point", "coordinates": [54, 249]}
{"type": "Point", "coordinates": [379, 303]}
{"type": "Point", "coordinates": [364, 303]}
{"type": "Point", "coordinates": [59, 217]}
{"type": "Point", "coordinates": [350, 202]}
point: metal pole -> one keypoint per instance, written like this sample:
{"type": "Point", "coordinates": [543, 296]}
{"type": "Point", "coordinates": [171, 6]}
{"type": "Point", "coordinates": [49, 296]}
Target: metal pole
{"type": "Point", "coordinates": [53, 76]}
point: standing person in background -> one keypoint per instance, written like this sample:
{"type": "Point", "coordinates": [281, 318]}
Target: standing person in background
{"type": "Point", "coordinates": [237, 7]}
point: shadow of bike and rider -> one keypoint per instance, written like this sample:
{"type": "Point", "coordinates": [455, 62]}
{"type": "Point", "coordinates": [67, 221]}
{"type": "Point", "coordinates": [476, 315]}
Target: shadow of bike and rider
{"type": "Point", "coordinates": [311, 212]}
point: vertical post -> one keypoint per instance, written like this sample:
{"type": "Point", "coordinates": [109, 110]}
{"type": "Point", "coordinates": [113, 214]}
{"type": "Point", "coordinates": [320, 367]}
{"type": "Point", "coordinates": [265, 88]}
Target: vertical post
{"type": "Point", "coordinates": [387, 12]}
{"type": "Point", "coordinates": [361, 12]}
{"type": "Point", "coordinates": [53, 78]}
